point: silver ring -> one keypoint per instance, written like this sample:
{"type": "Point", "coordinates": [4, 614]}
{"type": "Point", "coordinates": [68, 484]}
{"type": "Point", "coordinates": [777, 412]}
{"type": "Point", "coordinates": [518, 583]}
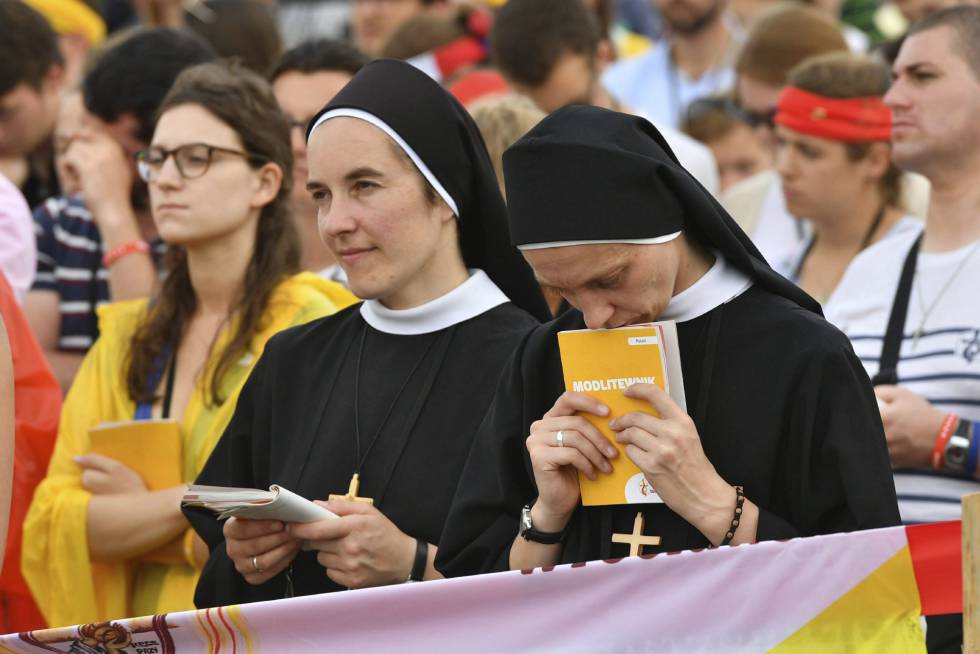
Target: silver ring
{"type": "Point", "coordinates": [255, 564]}
{"type": "Point", "coordinates": [560, 438]}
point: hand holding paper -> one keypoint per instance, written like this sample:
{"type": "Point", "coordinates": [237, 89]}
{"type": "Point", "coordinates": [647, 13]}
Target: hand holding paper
{"type": "Point", "coordinates": [362, 548]}
{"type": "Point", "coordinates": [256, 538]}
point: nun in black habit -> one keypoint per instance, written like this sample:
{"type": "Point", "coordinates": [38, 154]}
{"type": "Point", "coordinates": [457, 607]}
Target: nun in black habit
{"type": "Point", "coordinates": [783, 437]}
{"type": "Point", "coordinates": [381, 400]}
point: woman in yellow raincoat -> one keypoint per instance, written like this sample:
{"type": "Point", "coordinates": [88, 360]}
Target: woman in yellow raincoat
{"type": "Point", "coordinates": [97, 544]}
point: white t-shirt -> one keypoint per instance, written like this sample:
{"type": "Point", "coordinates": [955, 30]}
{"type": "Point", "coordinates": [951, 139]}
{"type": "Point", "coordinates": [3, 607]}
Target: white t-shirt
{"type": "Point", "coordinates": [650, 84]}
{"type": "Point", "coordinates": [942, 365]}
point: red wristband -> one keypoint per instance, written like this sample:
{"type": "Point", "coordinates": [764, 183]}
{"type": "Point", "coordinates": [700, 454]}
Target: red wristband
{"type": "Point", "coordinates": [118, 252]}
{"type": "Point", "coordinates": [945, 433]}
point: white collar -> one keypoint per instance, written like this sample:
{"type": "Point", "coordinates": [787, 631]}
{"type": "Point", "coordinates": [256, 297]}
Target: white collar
{"type": "Point", "coordinates": [721, 284]}
{"type": "Point", "coordinates": [475, 296]}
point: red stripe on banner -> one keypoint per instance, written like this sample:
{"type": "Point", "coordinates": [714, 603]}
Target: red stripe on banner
{"type": "Point", "coordinates": [214, 630]}
{"type": "Point", "coordinates": [937, 560]}
{"type": "Point", "coordinates": [231, 632]}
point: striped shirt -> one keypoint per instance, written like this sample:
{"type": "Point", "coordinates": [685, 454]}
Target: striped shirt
{"type": "Point", "coordinates": [940, 353]}
{"type": "Point", "coordinates": [69, 263]}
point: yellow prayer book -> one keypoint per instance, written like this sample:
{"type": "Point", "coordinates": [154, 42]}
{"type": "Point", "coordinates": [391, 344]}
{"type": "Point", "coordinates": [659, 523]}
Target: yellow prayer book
{"type": "Point", "coordinates": [152, 448]}
{"type": "Point", "coordinates": [603, 363]}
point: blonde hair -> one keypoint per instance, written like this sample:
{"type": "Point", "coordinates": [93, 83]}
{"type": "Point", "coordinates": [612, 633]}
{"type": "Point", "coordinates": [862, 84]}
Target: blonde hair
{"type": "Point", "coordinates": [502, 120]}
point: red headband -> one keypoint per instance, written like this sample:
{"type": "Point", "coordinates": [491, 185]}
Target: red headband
{"type": "Point", "coordinates": [837, 119]}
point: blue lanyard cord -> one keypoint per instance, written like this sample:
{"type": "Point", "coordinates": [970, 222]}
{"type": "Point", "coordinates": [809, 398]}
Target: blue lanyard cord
{"type": "Point", "coordinates": [144, 410]}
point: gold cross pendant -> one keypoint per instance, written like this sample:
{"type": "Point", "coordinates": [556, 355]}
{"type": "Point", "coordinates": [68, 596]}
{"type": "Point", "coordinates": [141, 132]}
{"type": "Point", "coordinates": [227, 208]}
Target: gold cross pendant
{"type": "Point", "coordinates": [636, 540]}
{"type": "Point", "coordinates": [351, 496]}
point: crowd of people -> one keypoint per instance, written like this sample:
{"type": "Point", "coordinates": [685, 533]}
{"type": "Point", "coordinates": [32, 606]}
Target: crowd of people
{"type": "Point", "coordinates": [273, 224]}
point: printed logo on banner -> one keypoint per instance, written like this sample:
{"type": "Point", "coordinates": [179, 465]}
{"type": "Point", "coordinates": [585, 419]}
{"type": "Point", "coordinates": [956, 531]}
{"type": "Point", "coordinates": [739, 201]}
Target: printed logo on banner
{"type": "Point", "coordinates": [149, 635]}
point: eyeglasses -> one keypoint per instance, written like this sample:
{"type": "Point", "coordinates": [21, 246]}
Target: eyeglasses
{"type": "Point", "coordinates": [703, 106]}
{"type": "Point", "coordinates": [765, 118]}
{"type": "Point", "coordinates": [192, 159]}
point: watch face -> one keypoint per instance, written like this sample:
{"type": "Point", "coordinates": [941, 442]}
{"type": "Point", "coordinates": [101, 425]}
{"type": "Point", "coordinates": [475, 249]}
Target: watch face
{"type": "Point", "coordinates": [526, 519]}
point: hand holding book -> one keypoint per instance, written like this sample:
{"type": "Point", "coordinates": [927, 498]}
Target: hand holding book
{"type": "Point", "coordinates": [634, 374]}
{"type": "Point", "coordinates": [603, 364]}
{"type": "Point", "coordinates": [667, 449]}
{"type": "Point", "coordinates": [585, 450]}
{"type": "Point", "coordinates": [103, 475]}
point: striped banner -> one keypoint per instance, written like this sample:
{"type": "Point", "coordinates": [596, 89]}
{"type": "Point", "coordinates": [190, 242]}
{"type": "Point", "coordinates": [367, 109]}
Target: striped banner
{"type": "Point", "coordinates": [858, 592]}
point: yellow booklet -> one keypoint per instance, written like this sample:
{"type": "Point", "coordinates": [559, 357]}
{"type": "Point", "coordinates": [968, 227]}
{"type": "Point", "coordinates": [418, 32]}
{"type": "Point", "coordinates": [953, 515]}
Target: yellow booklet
{"type": "Point", "coordinates": [603, 363]}
{"type": "Point", "coordinates": [152, 448]}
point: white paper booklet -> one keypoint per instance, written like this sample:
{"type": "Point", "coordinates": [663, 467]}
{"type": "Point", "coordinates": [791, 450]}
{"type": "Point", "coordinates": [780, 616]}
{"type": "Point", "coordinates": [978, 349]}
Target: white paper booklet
{"type": "Point", "coordinates": [277, 503]}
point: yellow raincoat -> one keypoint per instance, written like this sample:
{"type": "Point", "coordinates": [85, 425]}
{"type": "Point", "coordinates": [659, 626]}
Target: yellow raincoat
{"type": "Point", "coordinates": [70, 588]}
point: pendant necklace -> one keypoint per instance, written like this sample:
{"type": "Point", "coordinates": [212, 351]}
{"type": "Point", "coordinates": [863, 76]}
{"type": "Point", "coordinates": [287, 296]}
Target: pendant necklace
{"type": "Point", "coordinates": [359, 460]}
{"type": "Point", "coordinates": [949, 282]}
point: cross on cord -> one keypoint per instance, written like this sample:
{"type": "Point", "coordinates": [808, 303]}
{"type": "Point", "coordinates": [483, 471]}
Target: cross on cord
{"type": "Point", "coordinates": [636, 540]}
{"type": "Point", "coordinates": [351, 496]}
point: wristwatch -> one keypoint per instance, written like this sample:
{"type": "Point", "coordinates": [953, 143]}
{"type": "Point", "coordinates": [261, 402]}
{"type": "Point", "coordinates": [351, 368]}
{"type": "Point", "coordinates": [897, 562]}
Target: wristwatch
{"type": "Point", "coordinates": [957, 449]}
{"type": "Point", "coordinates": [528, 532]}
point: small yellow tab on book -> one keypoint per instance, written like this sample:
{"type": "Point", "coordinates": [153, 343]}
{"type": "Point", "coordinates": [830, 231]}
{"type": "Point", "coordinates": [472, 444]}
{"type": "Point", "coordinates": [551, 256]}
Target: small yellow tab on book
{"type": "Point", "coordinates": [152, 448]}
{"type": "Point", "coordinates": [604, 363]}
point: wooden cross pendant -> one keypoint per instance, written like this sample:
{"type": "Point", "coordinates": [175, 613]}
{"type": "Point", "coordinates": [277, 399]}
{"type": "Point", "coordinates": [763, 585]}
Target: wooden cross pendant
{"type": "Point", "coordinates": [351, 496]}
{"type": "Point", "coordinates": [636, 540]}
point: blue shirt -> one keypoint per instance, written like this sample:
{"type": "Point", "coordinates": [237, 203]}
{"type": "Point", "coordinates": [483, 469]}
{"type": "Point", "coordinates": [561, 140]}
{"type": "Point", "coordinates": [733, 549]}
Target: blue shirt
{"type": "Point", "coordinates": [650, 84]}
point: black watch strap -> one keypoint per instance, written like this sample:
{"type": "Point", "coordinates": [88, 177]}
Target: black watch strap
{"type": "Point", "coordinates": [543, 537]}
{"type": "Point", "coordinates": [529, 533]}
{"type": "Point", "coordinates": [421, 556]}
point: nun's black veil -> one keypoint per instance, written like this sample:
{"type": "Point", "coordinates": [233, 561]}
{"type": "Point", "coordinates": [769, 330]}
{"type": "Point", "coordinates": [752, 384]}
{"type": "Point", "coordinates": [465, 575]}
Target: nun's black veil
{"type": "Point", "coordinates": [444, 136]}
{"type": "Point", "coordinates": [585, 174]}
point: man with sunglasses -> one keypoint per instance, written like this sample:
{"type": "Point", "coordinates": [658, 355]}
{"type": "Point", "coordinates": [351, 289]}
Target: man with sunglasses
{"type": "Point", "coordinates": [100, 245]}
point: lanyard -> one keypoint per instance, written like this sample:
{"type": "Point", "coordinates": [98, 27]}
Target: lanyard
{"type": "Point", "coordinates": [865, 242]}
{"type": "Point", "coordinates": [144, 410]}
{"type": "Point", "coordinates": [888, 365]}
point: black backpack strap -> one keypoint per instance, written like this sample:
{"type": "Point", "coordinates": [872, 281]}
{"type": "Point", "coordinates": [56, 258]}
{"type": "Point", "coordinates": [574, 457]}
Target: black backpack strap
{"type": "Point", "coordinates": [888, 365]}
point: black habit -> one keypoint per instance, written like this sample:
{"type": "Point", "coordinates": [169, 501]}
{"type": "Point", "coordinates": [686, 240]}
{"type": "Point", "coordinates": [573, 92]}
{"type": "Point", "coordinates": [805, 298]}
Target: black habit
{"type": "Point", "coordinates": [790, 416]}
{"type": "Point", "coordinates": [782, 405]}
{"type": "Point", "coordinates": [294, 426]}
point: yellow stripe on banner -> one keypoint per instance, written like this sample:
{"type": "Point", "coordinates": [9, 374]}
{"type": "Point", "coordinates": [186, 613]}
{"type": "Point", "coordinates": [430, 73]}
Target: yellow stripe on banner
{"type": "Point", "coordinates": [226, 637]}
{"type": "Point", "coordinates": [879, 614]}
{"type": "Point", "coordinates": [235, 614]}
